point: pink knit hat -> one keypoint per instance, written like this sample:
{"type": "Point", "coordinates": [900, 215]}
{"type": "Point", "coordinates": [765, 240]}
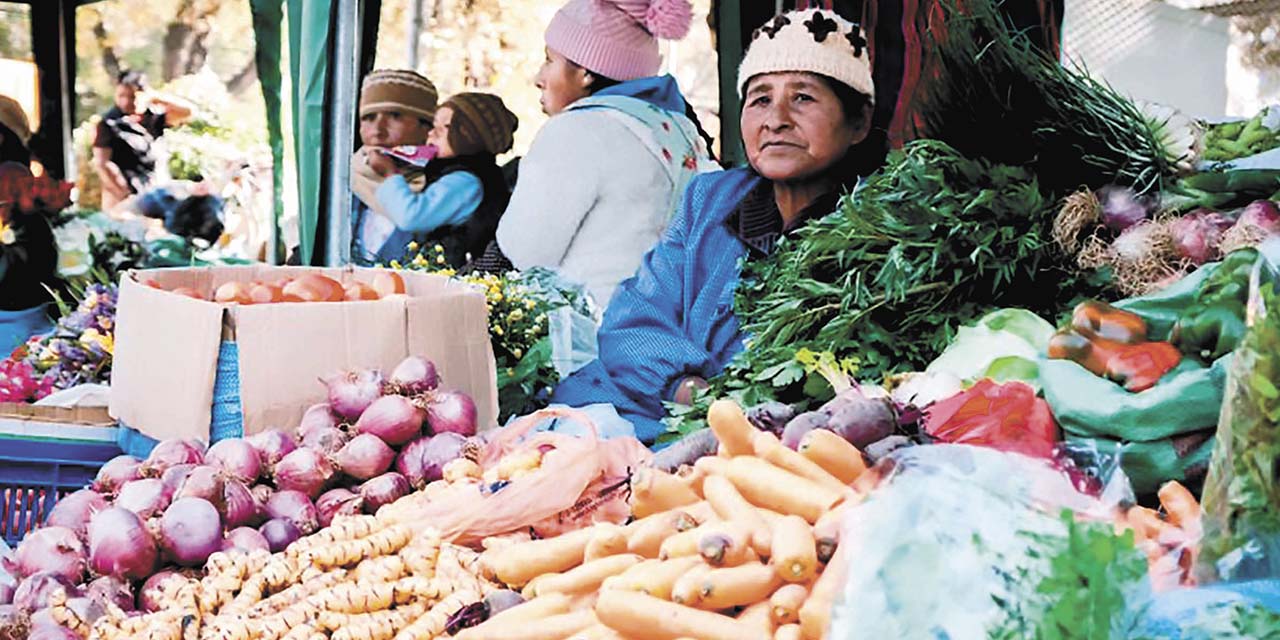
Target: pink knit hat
{"type": "Point", "coordinates": [616, 38]}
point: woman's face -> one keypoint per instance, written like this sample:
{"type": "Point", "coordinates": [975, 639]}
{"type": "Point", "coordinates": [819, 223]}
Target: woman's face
{"type": "Point", "coordinates": [562, 83]}
{"type": "Point", "coordinates": [392, 129]}
{"type": "Point", "coordinates": [794, 126]}
{"type": "Point", "coordinates": [439, 135]}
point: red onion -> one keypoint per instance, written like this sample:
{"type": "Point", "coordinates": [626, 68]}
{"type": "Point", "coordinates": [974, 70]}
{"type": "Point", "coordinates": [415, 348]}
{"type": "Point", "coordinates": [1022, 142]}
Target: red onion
{"type": "Point", "coordinates": [280, 533]}
{"type": "Point", "coordinates": [115, 473]}
{"type": "Point", "coordinates": [6, 592]}
{"type": "Point", "coordinates": [53, 633]}
{"type": "Point", "coordinates": [1122, 208]}
{"type": "Point", "coordinates": [73, 511]}
{"type": "Point", "coordinates": [53, 549]}
{"type": "Point", "coordinates": [261, 494]}
{"type": "Point", "coordinates": [451, 412]}
{"type": "Point", "coordinates": [120, 545]}
{"type": "Point", "coordinates": [170, 453]}
{"type": "Point", "coordinates": [317, 416]}
{"type": "Point", "coordinates": [1196, 236]}
{"type": "Point", "coordinates": [336, 502]}
{"type": "Point", "coordinates": [14, 624]}
{"type": "Point", "coordinates": [350, 393]}
{"type": "Point", "coordinates": [190, 530]}
{"type": "Point", "coordinates": [395, 419]}
{"type": "Point", "coordinates": [365, 456]}
{"type": "Point", "coordinates": [384, 489]}
{"type": "Point", "coordinates": [423, 460]}
{"type": "Point", "coordinates": [113, 590]}
{"type": "Point", "coordinates": [175, 476]}
{"type": "Point", "coordinates": [237, 459]}
{"type": "Point", "coordinates": [295, 507]}
{"type": "Point", "coordinates": [1263, 214]}
{"type": "Point", "coordinates": [414, 375]}
{"type": "Point", "coordinates": [147, 497]}
{"type": "Point", "coordinates": [246, 539]}
{"type": "Point", "coordinates": [33, 593]}
{"type": "Point", "coordinates": [271, 447]}
{"type": "Point", "coordinates": [151, 595]}
{"type": "Point", "coordinates": [326, 440]}
{"type": "Point", "coordinates": [204, 482]}
{"type": "Point", "coordinates": [238, 506]}
{"type": "Point", "coordinates": [304, 470]}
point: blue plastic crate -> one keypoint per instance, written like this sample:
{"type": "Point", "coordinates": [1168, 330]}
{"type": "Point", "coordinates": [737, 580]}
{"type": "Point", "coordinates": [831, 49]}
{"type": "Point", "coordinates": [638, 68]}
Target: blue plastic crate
{"type": "Point", "coordinates": [34, 474]}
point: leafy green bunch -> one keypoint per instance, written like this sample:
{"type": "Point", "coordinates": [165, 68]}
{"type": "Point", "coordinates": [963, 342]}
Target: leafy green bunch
{"type": "Point", "coordinates": [927, 245]}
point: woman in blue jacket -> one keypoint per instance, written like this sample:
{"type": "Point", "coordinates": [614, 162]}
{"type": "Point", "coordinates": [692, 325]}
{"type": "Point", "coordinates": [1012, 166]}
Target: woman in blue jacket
{"type": "Point", "coordinates": [807, 99]}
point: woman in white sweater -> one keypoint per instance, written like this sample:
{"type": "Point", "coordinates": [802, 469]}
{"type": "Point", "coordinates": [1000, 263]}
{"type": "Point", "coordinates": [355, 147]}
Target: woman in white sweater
{"type": "Point", "coordinates": [603, 176]}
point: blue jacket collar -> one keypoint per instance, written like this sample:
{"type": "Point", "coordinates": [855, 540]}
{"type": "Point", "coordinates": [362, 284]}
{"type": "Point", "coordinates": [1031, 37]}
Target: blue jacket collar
{"type": "Point", "coordinates": [662, 91]}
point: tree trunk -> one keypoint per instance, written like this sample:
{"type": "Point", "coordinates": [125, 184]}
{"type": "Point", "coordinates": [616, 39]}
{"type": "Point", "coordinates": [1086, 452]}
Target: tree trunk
{"type": "Point", "coordinates": [110, 62]}
{"type": "Point", "coordinates": [243, 80]}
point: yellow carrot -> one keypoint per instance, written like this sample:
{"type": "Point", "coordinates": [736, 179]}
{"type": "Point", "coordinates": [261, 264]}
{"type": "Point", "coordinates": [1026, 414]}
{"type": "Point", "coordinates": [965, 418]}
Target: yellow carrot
{"type": "Point", "coordinates": [731, 427]}
{"type": "Point", "coordinates": [834, 454]}
{"type": "Point", "coordinates": [768, 486]}
{"type": "Point", "coordinates": [794, 555]}
{"type": "Point", "coordinates": [767, 447]}
{"type": "Point", "coordinates": [737, 586]}
{"type": "Point", "coordinates": [639, 616]}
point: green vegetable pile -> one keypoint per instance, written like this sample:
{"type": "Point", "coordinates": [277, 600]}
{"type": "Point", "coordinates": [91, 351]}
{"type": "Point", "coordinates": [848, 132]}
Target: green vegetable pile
{"type": "Point", "coordinates": [1232, 140]}
{"type": "Point", "coordinates": [1091, 571]}
{"type": "Point", "coordinates": [1242, 491]}
{"type": "Point", "coordinates": [927, 245]}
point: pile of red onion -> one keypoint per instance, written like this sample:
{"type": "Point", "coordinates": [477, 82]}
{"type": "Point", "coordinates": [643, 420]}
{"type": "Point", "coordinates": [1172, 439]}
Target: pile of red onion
{"type": "Point", "coordinates": [142, 521]}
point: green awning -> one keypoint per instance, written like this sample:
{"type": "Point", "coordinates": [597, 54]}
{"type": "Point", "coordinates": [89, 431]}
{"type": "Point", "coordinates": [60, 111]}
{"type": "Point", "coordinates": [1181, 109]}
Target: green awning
{"type": "Point", "coordinates": [308, 71]}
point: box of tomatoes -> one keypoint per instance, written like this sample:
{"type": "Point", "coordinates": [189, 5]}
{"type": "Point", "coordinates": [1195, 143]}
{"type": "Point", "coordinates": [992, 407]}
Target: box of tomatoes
{"type": "Point", "coordinates": [290, 326]}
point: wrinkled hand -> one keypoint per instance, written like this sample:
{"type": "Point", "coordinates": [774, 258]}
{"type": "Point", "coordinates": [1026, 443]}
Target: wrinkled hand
{"type": "Point", "coordinates": [381, 163]}
{"type": "Point", "coordinates": [686, 389]}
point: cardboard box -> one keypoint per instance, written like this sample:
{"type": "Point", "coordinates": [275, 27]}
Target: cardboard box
{"type": "Point", "coordinates": [166, 346]}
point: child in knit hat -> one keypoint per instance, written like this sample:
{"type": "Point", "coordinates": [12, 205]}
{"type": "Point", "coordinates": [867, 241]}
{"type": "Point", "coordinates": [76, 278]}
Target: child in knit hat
{"type": "Point", "coordinates": [605, 173]}
{"type": "Point", "coordinates": [455, 199]}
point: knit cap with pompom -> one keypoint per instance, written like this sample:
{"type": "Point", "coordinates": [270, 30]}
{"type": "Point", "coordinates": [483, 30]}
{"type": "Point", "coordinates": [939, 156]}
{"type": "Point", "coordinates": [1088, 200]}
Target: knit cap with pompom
{"type": "Point", "coordinates": [618, 39]}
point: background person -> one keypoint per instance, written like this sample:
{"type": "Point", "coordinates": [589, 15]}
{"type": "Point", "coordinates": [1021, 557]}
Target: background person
{"type": "Point", "coordinates": [122, 145]}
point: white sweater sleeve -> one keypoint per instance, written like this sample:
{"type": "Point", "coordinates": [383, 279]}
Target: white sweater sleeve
{"type": "Point", "coordinates": [558, 185]}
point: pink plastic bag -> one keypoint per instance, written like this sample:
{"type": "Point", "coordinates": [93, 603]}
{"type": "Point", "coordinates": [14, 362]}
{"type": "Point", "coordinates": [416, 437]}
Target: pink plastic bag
{"type": "Point", "coordinates": [582, 480]}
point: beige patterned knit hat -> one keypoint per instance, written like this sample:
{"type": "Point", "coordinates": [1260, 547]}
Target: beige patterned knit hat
{"type": "Point", "coordinates": [814, 40]}
{"type": "Point", "coordinates": [398, 90]}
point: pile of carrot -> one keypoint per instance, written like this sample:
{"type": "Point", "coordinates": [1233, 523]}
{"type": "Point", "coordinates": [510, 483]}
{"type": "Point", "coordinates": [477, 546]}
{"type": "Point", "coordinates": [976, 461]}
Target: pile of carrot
{"type": "Point", "coordinates": [1171, 539]}
{"type": "Point", "coordinates": [361, 578]}
{"type": "Point", "coordinates": [739, 546]}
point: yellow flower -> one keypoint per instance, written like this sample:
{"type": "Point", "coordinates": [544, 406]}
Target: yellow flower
{"type": "Point", "coordinates": [413, 245]}
{"type": "Point", "coordinates": [439, 259]}
{"type": "Point", "coordinates": [515, 316]}
{"type": "Point", "coordinates": [438, 249]}
{"type": "Point", "coordinates": [7, 234]}
{"type": "Point", "coordinates": [395, 264]}
{"type": "Point", "coordinates": [529, 304]}
{"type": "Point", "coordinates": [419, 260]}
{"type": "Point", "coordinates": [519, 353]}
{"type": "Point", "coordinates": [91, 336]}
{"type": "Point", "coordinates": [498, 329]}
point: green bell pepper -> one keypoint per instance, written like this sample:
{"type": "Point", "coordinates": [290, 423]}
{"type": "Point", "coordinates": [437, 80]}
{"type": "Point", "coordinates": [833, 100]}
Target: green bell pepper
{"type": "Point", "coordinates": [1210, 332]}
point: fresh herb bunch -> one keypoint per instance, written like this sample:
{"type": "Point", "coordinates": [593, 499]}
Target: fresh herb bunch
{"type": "Point", "coordinates": [1242, 491]}
{"type": "Point", "coordinates": [518, 305]}
{"type": "Point", "coordinates": [927, 245]}
{"type": "Point", "coordinates": [997, 95]}
{"type": "Point", "coordinates": [1084, 594]}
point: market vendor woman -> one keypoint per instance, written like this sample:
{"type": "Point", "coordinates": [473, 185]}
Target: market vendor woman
{"type": "Point", "coordinates": [807, 99]}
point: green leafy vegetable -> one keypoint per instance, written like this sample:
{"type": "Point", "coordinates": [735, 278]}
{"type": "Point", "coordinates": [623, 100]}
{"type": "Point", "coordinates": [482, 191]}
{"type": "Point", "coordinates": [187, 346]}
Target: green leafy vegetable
{"type": "Point", "coordinates": [929, 244]}
{"type": "Point", "coordinates": [1242, 491]}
